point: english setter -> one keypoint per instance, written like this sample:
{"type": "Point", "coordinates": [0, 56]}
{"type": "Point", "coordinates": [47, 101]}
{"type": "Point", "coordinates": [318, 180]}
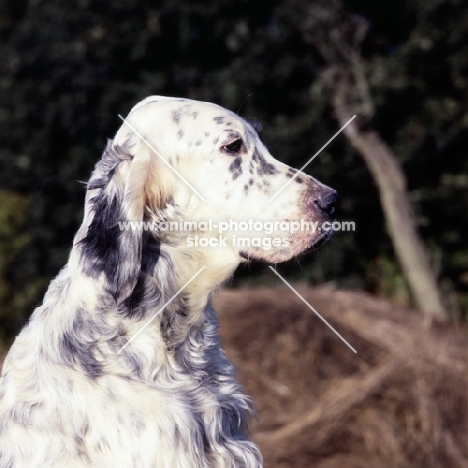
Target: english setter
{"type": "Point", "coordinates": [117, 370]}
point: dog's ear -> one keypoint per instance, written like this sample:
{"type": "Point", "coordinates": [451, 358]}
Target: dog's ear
{"type": "Point", "coordinates": [148, 184]}
{"type": "Point", "coordinates": [127, 184]}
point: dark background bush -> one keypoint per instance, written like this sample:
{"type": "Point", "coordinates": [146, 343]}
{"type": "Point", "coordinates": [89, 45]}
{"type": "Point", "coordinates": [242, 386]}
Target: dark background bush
{"type": "Point", "coordinates": [69, 69]}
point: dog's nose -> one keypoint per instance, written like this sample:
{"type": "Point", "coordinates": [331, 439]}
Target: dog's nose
{"type": "Point", "coordinates": [328, 202]}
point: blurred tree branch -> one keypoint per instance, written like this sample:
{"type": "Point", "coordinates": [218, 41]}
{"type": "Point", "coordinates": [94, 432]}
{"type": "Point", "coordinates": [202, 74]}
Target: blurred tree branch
{"type": "Point", "coordinates": [345, 75]}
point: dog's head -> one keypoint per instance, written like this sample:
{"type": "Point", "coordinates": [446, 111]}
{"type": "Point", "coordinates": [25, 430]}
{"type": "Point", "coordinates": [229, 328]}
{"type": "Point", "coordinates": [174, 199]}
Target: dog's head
{"type": "Point", "coordinates": [204, 186]}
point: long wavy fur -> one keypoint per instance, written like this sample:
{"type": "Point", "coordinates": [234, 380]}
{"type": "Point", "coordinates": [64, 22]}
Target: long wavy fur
{"type": "Point", "coordinates": [69, 398]}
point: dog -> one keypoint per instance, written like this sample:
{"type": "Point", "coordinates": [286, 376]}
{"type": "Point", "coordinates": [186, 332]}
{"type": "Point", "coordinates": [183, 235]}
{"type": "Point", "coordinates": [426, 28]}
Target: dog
{"type": "Point", "coordinates": [121, 365]}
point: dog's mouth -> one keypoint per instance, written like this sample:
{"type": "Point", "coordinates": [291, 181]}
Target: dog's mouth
{"type": "Point", "coordinates": [284, 254]}
{"type": "Point", "coordinates": [320, 242]}
{"type": "Point", "coordinates": [251, 257]}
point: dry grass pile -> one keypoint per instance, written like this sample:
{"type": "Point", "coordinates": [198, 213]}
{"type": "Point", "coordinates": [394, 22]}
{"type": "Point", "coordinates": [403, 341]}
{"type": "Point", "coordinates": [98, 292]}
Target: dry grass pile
{"type": "Point", "coordinates": [401, 402]}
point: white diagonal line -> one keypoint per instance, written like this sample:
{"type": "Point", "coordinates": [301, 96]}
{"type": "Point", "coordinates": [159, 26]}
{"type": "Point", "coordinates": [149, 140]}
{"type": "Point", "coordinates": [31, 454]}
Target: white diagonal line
{"type": "Point", "coordinates": [310, 307]}
{"type": "Point", "coordinates": [313, 157]}
{"type": "Point", "coordinates": [162, 159]}
{"type": "Point", "coordinates": [161, 309]}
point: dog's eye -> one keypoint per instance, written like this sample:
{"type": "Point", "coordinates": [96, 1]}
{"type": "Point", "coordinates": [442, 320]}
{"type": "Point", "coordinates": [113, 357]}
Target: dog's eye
{"type": "Point", "coordinates": [234, 147]}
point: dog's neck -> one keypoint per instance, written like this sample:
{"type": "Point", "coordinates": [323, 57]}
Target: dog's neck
{"type": "Point", "coordinates": [172, 293]}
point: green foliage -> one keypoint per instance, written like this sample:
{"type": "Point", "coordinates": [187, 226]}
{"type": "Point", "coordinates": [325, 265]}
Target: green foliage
{"type": "Point", "coordinates": [69, 69]}
{"type": "Point", "coordinates": [14, 238]}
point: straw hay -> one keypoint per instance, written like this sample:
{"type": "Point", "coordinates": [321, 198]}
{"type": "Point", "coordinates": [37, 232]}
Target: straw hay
{"type": "Point", "coordinates": [401, 402]}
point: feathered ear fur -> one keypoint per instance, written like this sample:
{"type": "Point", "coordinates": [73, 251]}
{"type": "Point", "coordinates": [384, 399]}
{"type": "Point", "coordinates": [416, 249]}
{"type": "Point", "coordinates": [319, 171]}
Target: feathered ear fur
{"type": "Point", "coordinates": [126, 186]}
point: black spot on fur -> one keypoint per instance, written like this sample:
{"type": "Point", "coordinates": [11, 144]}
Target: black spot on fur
{"type": "Point", "coordinates": [232, 135]}
{"type": "Point", "coordinates": [176, 115]}
{"type": "Point", "coordinates": [131, 305]}
{"type": "Point", "coordinates": [219, 120]}
{"type": "Point", "coordinates": [236, 168]}
{"type": "Point", "coordinates": [145, 296]}
{"type": "Point", "coordinates": [173, 319]}
{"type": "Point", "coordinates": [264, 167]}
{"type": "Point", "coordinates": [77, 348]}
{"type": "Point", "coordinates": [183, 311]}
{"type": "Point", "coordinates": [184, 110]}
{"type": "Point", "coordinates": [291, 172]}
{"type": "Point", "coordinates": [177, 434]}
{"type": "Point", "coordinates": [151, 252]}
{"type": "Point", "coordinates": [180, 134]}
{"type": "Point", "coordinates": [198, 143]}
{"type": "Point", "coordinates": [105, 245]}
{"type": "Point", "coordinates": [137, 423]}
{"type": "Point", "coordinates": [102, 182]}
{"type": "Point", "coordinates": [108, 249]}
{"type": "Point", "coordinates": [201, 427]}
{"type": "Point", "coordinates": [101, 244]}
{"type": "Point", "coordinates": [81, 449]}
